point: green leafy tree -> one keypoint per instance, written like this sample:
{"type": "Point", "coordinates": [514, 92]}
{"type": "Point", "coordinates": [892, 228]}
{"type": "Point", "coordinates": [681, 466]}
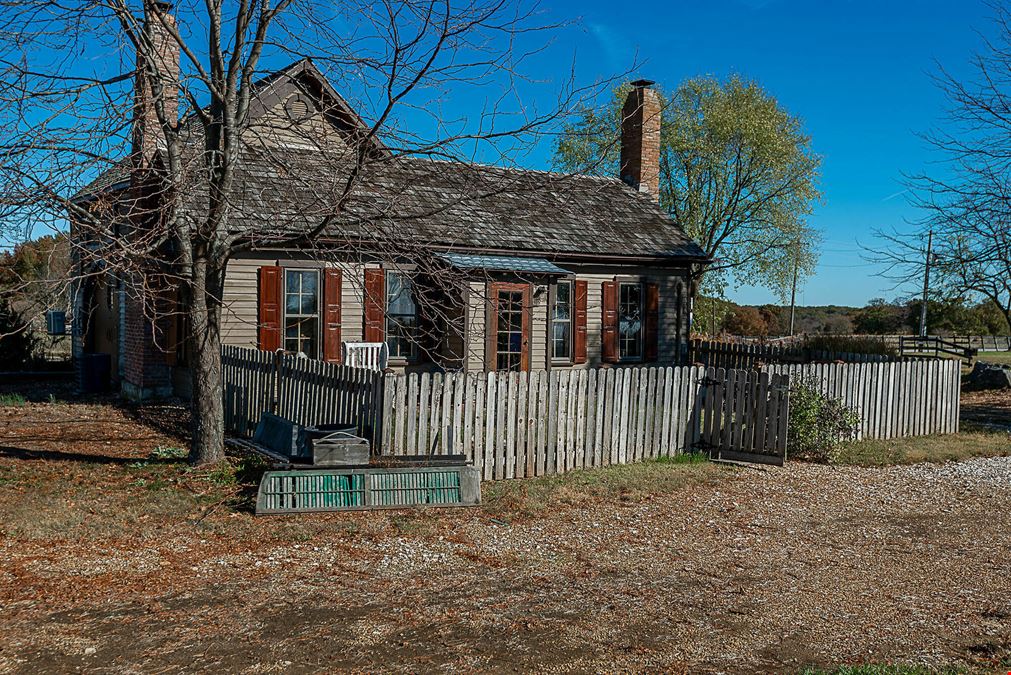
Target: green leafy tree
{"type": "Point", "coordinates": [955, 316]}
{"type": "Point", "coordinates": [880, 318]}
{"type": "Point", "coordinates": [737, 171]}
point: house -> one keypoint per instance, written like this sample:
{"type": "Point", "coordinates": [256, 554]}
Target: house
{"type": "Point", "coordinates": [453, 265]}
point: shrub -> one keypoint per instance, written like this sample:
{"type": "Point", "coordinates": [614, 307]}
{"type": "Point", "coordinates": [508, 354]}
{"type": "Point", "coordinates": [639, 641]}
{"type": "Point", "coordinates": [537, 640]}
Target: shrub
{"type": "Point", "coordinates": [16, 342]}
{"type": "Point", "coordinates": [818, 423]}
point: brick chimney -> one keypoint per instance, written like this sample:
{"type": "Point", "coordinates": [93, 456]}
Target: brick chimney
{"type": "Point", "coordinates": [142, 340]}
{"type": "Point", "coordinates": [640, 139]}
{"type": "Point", "coordinates": [164, 53]}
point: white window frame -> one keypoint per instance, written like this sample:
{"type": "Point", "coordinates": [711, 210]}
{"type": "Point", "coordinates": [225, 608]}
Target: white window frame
{"type": "Point", "coordinates": [299, 315]}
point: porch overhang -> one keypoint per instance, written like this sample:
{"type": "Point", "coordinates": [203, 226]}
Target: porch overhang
{"type": "Point", "coordinates": [502, 263]}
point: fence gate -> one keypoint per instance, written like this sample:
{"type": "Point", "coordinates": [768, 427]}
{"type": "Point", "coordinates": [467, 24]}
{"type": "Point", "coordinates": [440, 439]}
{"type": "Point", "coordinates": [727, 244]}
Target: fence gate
{"type": "Point", "coordinates": [744, 415]}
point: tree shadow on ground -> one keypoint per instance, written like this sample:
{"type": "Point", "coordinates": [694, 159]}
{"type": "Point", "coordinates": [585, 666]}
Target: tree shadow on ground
{"type": "Point", "coordinates": [25, 454]}
{"type": "Point", "coordinates": [170, 418]}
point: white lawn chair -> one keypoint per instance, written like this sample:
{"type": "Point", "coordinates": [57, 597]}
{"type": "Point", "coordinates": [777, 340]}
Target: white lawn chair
{"type": "Point", "coordinates": [368, 355]}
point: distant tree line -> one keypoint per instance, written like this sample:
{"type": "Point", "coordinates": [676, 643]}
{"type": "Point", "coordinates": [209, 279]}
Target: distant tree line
{"type": "Point", "coordinates": [953, 316]}
{"type": "Point", "coordinates": [33, 279]}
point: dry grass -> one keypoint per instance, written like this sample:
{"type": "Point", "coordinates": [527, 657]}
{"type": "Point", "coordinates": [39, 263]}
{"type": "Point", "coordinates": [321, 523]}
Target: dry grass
{"type": "Point", "coordinates": [972, 442]}
{"type": "Point", "coordinates": [114, 548]}
{"type": "Point", "coordinates": [530, 498]}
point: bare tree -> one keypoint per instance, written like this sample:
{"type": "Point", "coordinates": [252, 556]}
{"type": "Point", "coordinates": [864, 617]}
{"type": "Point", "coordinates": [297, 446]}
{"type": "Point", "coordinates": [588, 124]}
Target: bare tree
{"type": "Point", "coordinates": [966, 199]}
{"type": "Point", "coordinates": [186, 142]}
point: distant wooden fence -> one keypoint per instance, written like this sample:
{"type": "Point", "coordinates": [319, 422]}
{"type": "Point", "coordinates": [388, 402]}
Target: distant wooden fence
{"type": "Point", "coordinates": [517, 425]}
{"type": "Point", "coordinates": [745, 355]}
{"type": "Point", "coordinates": [908, 398]}
{"type": "Point", "coordinates": [306, 391]}
{"type": "Point", "coordinates": [983, 343]}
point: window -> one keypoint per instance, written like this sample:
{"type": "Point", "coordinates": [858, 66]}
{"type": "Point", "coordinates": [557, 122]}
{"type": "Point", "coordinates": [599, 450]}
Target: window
{"type": "Point", "coordinates": [630, 321]}
{"type": "Point", "coordinates": [561, 322]}
{"type": "Point", "coordinates": [301, 312]}
{"type": "Point", "coordinates": [401, 316]}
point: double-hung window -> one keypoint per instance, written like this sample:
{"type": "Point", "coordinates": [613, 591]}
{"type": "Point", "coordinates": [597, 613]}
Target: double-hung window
{"type": "Point", "coordinates": [561, 322]}
{"type": "Point", "coordinates": [301, 312]}
{"type": "Point", "coordinates": [630, 321]}
{"type": "Point", "coordinates": [401, 316]}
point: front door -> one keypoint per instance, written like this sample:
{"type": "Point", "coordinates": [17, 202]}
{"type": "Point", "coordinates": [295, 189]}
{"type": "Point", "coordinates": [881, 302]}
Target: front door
{"type": "Point", "coordinates": [509, 327]}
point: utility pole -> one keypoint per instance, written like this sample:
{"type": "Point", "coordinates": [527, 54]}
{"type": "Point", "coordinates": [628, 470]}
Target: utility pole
{"type": "Point", "coordinates": [793, 294]}
{"type": "Point", "coordinates": [793, 289]}
{"type": "Point", "coordinates": [926, 284]}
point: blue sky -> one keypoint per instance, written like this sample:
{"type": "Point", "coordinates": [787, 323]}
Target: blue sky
{"type": "Point", "coordinates": [857, 72]}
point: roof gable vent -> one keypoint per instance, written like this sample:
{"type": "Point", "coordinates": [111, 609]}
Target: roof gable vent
{"type": "Point", "coordinates": [297, 108]}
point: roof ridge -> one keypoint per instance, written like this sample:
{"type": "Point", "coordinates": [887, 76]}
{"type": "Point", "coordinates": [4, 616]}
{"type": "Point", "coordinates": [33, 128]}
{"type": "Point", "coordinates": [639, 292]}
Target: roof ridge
{"type": "Point", "coordinates": [483, 165]}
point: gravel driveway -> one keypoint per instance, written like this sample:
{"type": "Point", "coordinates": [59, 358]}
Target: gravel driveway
{"type": "Point", "coordinates": [739, 570]}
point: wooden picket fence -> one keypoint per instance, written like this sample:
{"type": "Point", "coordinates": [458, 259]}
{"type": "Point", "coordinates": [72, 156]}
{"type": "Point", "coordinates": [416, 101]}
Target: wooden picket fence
{"type": "Point", "coordinates": [907, 398]}
{"type": "Point", "coordinates": [745, 415]}
{"type": "Point", "coordinates": [519, 425]}
{"type": "Point", "coordinates": [983, 343]}
{"type": "Point", "coordinates": [306, 391]}
{"type": "Point", "coordinates": [745, 355]}
{"type": "Point", "coordinates": [516, 425]}
{"type": "Point", "coordinates": [249, 387]}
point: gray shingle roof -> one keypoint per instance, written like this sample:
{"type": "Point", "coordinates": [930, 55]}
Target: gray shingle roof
{"type": "Point", "coordinates": [452, 205]}
{"type": "Point", "coordinates": [413, 201]}
{"type": "Point", "coordinates": [404, 201]}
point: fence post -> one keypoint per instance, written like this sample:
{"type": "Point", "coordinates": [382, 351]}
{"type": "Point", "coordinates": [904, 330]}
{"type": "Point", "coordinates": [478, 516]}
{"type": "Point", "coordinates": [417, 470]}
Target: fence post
{"type": "Point", "coordinates": [275, 389]}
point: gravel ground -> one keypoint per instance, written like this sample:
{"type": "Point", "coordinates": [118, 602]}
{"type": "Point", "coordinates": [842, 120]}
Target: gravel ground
{"type": "Point", "coordinates": [749, 570]}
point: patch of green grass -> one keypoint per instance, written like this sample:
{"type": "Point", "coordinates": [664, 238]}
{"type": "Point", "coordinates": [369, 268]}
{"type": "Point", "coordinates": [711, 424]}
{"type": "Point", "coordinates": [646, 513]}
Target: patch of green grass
{"type": "Point", "coordinates": [995, 357]}
{"type": "Point", "coordinates": [886, 669]}
{"type": "Point", "coordinates": [625, 483]}
{"type": "Point", "coordinates": [946, 448]}
{"type": "Point", "coordinates": [15, 400]}
{"type": "Point", "coordinates": [683, 458]}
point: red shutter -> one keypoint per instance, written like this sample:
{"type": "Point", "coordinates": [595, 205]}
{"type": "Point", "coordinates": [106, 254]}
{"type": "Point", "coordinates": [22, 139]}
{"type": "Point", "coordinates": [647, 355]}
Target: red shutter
{"type": "Point", "coordinates": [332, 315]}
{"type": "Point", "coordinates": [579, 315]}
{"type": "Point", "coordinates": [375, 305]}
{"type": "Point", "coordinates": [609, 322]}
{"type": "Point", "coordinates": [270, 308]}
{"type": "Point", "coordinates": [651, 327]}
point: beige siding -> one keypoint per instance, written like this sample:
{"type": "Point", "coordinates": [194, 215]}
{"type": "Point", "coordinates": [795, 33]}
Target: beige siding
{"type": "Point", "coordinates": [670, 328]}
{"type": "Point", "coordinates": [239, 321]}
{"type": "Point", "coordinates": [240, 316]}
{"type": "Point", "coordinates": [539, 327]}
{"type": "Point", "coordinates": [477, 310]}
{"type": "Point", "coordinates": [277, 127]}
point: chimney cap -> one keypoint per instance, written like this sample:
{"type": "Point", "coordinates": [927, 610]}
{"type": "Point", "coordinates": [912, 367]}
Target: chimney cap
{"type": "Point", "coordinates": [643, 84]}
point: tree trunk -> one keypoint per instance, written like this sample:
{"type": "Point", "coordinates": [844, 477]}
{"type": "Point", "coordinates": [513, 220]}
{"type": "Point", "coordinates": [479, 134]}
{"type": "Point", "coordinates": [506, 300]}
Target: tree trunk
{"type": "Point", "coordinates": [208, 444]}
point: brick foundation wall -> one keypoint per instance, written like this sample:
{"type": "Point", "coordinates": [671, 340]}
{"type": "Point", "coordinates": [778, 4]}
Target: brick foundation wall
{"type": "Point", "coordinates": [146, 374]}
